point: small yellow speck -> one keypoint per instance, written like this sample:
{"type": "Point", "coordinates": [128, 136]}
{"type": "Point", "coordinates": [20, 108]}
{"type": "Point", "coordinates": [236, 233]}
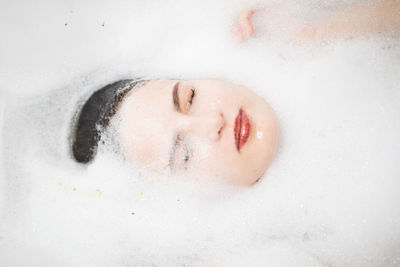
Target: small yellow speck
{"type": "Point", "coordinates": [103, 24]}
{"type": "Point", "coordinates": [141, 193]}
{"type": "Point", "coordinates": [74, 188]}
{"type": "Point", "coordinates": [59, 183]}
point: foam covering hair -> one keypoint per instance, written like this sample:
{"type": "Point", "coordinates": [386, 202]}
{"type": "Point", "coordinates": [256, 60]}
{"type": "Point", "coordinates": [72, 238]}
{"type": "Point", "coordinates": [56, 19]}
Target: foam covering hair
{"type": "Point", "coordinates": [95, 116]}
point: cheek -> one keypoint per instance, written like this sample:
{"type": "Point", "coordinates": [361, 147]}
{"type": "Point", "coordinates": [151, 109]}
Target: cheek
{"type": "Point", "coordinates": [215, 100]}
{"type": "Point", "coordinates": [218, 170]}
{"type": "Point", "coordinates": [211, 161]}
{"type": "Point", "coordinates": [224, 165]}
{"type": "Point", "coordinates": [144, 146]}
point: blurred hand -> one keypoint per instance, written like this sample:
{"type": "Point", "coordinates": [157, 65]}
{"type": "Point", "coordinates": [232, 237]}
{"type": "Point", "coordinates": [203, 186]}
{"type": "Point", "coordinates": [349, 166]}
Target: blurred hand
{"type": "Point", "coordinates": [294, 33]}
{"type": "Point", "coordinates": [284, 23]}
{"type": "Point", "coordinates": [244, 28]}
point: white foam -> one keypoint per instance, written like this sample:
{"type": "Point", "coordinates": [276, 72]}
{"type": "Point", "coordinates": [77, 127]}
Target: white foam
{"type": "Point", "coordinates": [330, 197]}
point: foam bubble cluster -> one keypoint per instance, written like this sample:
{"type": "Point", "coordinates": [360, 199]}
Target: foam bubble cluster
{"type": "Point", "coordinates": [330, 198]}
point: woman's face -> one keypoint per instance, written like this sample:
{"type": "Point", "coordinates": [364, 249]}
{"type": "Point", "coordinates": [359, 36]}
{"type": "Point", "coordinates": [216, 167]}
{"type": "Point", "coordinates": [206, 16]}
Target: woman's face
{"type": "Point", "coordinates": [206, 128]}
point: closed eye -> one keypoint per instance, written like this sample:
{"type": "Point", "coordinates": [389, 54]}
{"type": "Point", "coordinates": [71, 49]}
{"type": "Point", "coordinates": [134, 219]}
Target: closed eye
{"type": "Point", "coordinates": [186, 155]}
{"type": "Point", "coordinates": [179, 153]}
{"type": "Point", "coordinates": [182, 96]}
{"type": "Point", "coordinates": [190, 101]}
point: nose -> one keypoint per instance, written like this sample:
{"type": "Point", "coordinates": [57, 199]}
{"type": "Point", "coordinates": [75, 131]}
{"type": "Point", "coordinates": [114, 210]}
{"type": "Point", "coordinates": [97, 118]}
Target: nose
{"type": "Point", "coordinates": [207, 125]}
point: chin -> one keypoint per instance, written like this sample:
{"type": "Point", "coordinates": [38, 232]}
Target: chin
{"type": "Point", "coordinates": [245, 180]}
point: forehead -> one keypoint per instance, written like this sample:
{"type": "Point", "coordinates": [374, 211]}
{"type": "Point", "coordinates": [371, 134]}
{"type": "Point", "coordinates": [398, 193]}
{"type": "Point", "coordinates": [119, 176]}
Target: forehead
{"type": "Point", "coordinates": [145, 134]}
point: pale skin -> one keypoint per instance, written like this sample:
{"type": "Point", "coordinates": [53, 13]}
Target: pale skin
{"type": "Point", "coordinates": [198, 137]}
{"type": "Point", "coordinates": [188, 127]}
{"type": "Point", "coordinates": [379, 17]}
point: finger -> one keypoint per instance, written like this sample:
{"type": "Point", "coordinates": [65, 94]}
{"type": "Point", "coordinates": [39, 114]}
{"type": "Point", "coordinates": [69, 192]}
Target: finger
{"type": "Point", "coordinates": [238, 33]}
{"type": "Point", "coordinates": [245, 22]}
{"type": "Point", "coordinates": [249, 29]}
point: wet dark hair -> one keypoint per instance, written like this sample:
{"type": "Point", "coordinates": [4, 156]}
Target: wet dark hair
{"type": "Point", "coordinates": [94, 117]}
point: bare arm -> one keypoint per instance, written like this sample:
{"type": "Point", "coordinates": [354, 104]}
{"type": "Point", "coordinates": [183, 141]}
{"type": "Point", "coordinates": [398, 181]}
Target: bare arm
{"type": "Point", "coordinates": [379, 17]}
{"type": "Point", "coordinates": [382, 16]}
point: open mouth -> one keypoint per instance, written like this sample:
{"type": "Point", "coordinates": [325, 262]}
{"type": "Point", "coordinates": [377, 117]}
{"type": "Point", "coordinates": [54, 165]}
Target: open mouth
{"type": "Point", "coordinates": [242, 129]}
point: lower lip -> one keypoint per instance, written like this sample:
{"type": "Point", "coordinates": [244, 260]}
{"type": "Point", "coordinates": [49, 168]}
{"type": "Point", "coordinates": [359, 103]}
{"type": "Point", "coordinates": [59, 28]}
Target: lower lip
{"type": "Point", "coordinates": [242, 129]}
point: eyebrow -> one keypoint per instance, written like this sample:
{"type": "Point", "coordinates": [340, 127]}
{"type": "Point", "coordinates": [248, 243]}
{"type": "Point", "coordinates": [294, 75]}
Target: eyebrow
{"type": "Point", "coordinates": [175, 97]}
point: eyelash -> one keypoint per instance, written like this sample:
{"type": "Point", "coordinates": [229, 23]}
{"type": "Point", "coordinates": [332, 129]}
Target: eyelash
{"type": "Point", "coordinates": [186, 157]}
{"type": "Point", "coordinates": [190, 101]}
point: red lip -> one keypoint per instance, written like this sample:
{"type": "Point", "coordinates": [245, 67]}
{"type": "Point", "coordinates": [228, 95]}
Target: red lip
{"type": "Point", "coordinates": [242, 129]}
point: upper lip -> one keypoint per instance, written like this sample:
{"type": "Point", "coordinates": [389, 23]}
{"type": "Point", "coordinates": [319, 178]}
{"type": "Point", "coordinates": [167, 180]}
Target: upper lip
{"type": "Point", "coordinates": [241, 129]}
